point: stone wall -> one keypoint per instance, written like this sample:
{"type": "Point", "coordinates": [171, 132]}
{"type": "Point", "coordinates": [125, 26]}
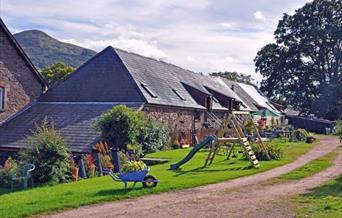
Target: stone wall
{"type": "Point", "coordinates": [176, 119]}
{"type": "Point", "coordinates": [21, 85]}
{"type": "Point", "coordinates": [181, 122]}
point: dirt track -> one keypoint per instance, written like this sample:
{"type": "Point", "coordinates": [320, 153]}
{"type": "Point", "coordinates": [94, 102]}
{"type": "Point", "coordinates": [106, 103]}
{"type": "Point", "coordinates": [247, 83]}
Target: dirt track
{"type": "Point", "coordinates": [242, 197]}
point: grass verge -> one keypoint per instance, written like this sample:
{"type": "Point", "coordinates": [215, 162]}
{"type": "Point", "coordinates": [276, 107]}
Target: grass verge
{"type": "Point", "coordinates": [309, 169]}
{"type": "Point", "coordinates": [101, 189]}
{"type": "Point", "coordinates": [324, 201]}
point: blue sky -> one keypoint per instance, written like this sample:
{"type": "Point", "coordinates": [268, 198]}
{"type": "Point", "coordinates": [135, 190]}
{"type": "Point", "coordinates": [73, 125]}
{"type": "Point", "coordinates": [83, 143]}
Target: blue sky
{"type": "Point", "coordinates": [200, 35]}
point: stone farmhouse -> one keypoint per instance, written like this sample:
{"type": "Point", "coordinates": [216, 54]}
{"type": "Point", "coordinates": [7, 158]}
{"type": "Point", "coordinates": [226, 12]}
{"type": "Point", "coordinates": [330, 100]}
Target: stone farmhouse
{"type": "Point", "coordinates": [183, 100]}
{"type": "Point", "coordinates": [20, 83]}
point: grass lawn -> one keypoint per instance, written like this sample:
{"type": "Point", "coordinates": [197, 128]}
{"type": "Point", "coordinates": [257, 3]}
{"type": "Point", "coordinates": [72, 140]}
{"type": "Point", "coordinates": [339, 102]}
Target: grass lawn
{"type": "Point", "coordinates": [100, 189]}
{"type": "Point", "coordinates": [325, 201]}
{"type": "Point", "coordinates": [314, 166]}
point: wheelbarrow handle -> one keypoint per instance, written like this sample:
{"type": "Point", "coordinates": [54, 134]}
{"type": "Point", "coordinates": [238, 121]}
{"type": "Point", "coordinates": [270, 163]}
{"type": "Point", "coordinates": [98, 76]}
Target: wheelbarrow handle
{"type": "Point", "coordinates": [115, 176]}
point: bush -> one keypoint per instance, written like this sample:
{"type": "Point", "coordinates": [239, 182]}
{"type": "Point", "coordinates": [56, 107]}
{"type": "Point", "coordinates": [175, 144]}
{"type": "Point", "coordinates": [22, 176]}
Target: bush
{"type": "Point", "coordinates": [119, 126]}
{"type": "Point", "coordinates": [132, 166]}
{"type": "Point", "coordinates": [299, 135]}
{"type": "Point", "coordinates": [7, 172]}
{"type": "Point", "coordinates": [122, 127]}
{"type": "Point", "coordinates": [338, 130]}
{"type": "Point", "coordinates": [153, 136]}
{"type": "Point", "coordinates": [273, 151]}
{"type": "Point", "coordinates": [49, 153]}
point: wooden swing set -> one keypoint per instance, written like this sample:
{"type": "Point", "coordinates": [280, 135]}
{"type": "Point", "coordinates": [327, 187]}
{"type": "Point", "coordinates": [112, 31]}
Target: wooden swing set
{"type": "Point", "coordinates": [236, 120]}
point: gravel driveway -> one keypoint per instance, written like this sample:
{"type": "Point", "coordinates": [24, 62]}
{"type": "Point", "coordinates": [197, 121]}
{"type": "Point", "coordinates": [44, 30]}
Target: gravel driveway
{"type": "Point", "coordinates": [242, 197]}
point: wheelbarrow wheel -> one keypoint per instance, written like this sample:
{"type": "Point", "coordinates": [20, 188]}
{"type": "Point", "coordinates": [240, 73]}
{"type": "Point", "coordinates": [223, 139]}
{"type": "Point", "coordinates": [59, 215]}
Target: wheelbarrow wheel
{"type": "Point", "coordinates": [149, 182]}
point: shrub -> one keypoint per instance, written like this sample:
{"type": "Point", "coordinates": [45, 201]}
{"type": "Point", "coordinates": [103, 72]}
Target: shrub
{"type": "Point", "coordinates": [119, 126]}
{"type": "Point", "coordinates": [338, 130]}
{"type": "Point", "coordinates": [132, 166]}
{"type": "Point", "coordinates": [299, 135]}
{"type": "Point", "coordinates": [49, 153]}
{"type": "Point", "coordinates": [273, 151]}
{"type": "Point", "coordinates": [122, 127]}
{"type": "Point", "coordinates": [153, 136]}
{"type": "Point", "coordinates": [7, 172]}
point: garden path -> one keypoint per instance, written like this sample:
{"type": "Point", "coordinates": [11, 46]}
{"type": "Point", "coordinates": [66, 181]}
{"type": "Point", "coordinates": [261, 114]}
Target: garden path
{"type": "Point", "coordinates": [242, 197]}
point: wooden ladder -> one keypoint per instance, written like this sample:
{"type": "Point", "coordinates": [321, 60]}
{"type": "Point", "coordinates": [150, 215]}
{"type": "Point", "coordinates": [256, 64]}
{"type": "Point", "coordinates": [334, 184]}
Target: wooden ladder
{"type": "Point", "coordinates": [245, 144]}
{"type": "Point", "coordinates": [214, 149]}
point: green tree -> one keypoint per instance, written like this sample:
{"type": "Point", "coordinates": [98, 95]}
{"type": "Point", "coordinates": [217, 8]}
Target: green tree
{"type": "Point", "coordinates": [234, 76]}
{"type": "Point", "coordinates": [49, 153]}
{"type": "Point", "coordinates": [329, 102]}
{"type": "Point", "coordinates": [306, 57]}
{"type": "Point", "coordinates": [56, 72]}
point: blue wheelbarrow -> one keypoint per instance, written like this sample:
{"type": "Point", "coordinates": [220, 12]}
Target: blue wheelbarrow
{"type": "Point", "coordinates": [148, 181]}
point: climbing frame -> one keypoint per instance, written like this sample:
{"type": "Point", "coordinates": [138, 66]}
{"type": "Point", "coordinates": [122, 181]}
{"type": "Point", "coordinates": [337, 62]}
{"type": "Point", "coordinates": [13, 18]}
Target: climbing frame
{"type": "Point", "coordinates": [237, 119]}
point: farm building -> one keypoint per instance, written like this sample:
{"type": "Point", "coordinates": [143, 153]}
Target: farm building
{"type": "Point", "coordinates": [185, 101]}
{"type": "Point", "coordinates": [20, 82]}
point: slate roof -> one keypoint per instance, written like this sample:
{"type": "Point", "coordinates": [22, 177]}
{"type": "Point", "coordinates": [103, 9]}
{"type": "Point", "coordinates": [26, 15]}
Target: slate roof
{"type": "Point", "coordinates": [258, 99]}
{"type": "Point", "coordinates": [23, 55]}
{"type": "Point", "coordinates": [103, 78]}
{"type": "Point", "coordinates": [74, 121]}
{"type": "Point", "coordinates": [162, 77]}
{"type": "Point", "coordinates": [247, 99]}
{"type": "Point", "coordinates": [116, 75]}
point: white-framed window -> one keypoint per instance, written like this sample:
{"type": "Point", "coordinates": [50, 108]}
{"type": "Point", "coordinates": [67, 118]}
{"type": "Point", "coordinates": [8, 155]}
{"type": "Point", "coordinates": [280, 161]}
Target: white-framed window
{"type": "Point", "coordinates": [179, 95]}
{"type": "Point", "coordinates": [148, 90]}
{"type": "Point", "coordinates": [2, 98]}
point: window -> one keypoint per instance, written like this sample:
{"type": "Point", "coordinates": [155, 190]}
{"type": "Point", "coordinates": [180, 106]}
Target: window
{"type": "Point", "coordinates": [2, 98]}
{"type": "Point", "coordinates": [178, 94]}
{"type": "Point", "coordinates": [215, 100]}
{"type": "Point", "coordinates": [148, 90]}
{"type": "Point", "coordinates": [243, 105]}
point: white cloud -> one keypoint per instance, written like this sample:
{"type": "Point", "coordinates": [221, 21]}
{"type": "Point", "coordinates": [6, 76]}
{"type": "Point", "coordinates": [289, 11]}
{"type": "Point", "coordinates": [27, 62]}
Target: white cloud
{"type": "Point", "coordinates": [190, 59]}
{"type": "Point", "coordinates": [259, 16]}
{"type": "Point", "coordinates": [191, 34]}
{"type": "Point", "coordinates": [228, 25]}
{"type": "Point", "coordinates": [140, 47]}
{"type": "Point", "coordinates": [132, 45]}
{"type": "Point", "coordinates": [229, 59]}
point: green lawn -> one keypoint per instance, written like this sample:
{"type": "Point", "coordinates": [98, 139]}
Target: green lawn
{"type": "Point", "coordinates": [325, 201]}
{"type": "Point", "coordinates": [314, 166]}
{"type": "Point", "coordinates": [100, 189]}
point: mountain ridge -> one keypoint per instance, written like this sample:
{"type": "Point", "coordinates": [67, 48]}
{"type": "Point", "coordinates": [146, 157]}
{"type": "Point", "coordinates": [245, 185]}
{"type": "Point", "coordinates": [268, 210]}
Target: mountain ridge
{"type": "Point", "coordinates": [44, 50]}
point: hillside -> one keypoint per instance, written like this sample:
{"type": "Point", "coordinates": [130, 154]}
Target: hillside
{"type": "Point", "coordinates": [44, 50]}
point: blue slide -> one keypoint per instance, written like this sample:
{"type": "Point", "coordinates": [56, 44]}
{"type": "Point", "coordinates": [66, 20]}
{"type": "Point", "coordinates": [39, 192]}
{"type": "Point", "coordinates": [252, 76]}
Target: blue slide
{"type": "Point", "coordinates": [193, 152]}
